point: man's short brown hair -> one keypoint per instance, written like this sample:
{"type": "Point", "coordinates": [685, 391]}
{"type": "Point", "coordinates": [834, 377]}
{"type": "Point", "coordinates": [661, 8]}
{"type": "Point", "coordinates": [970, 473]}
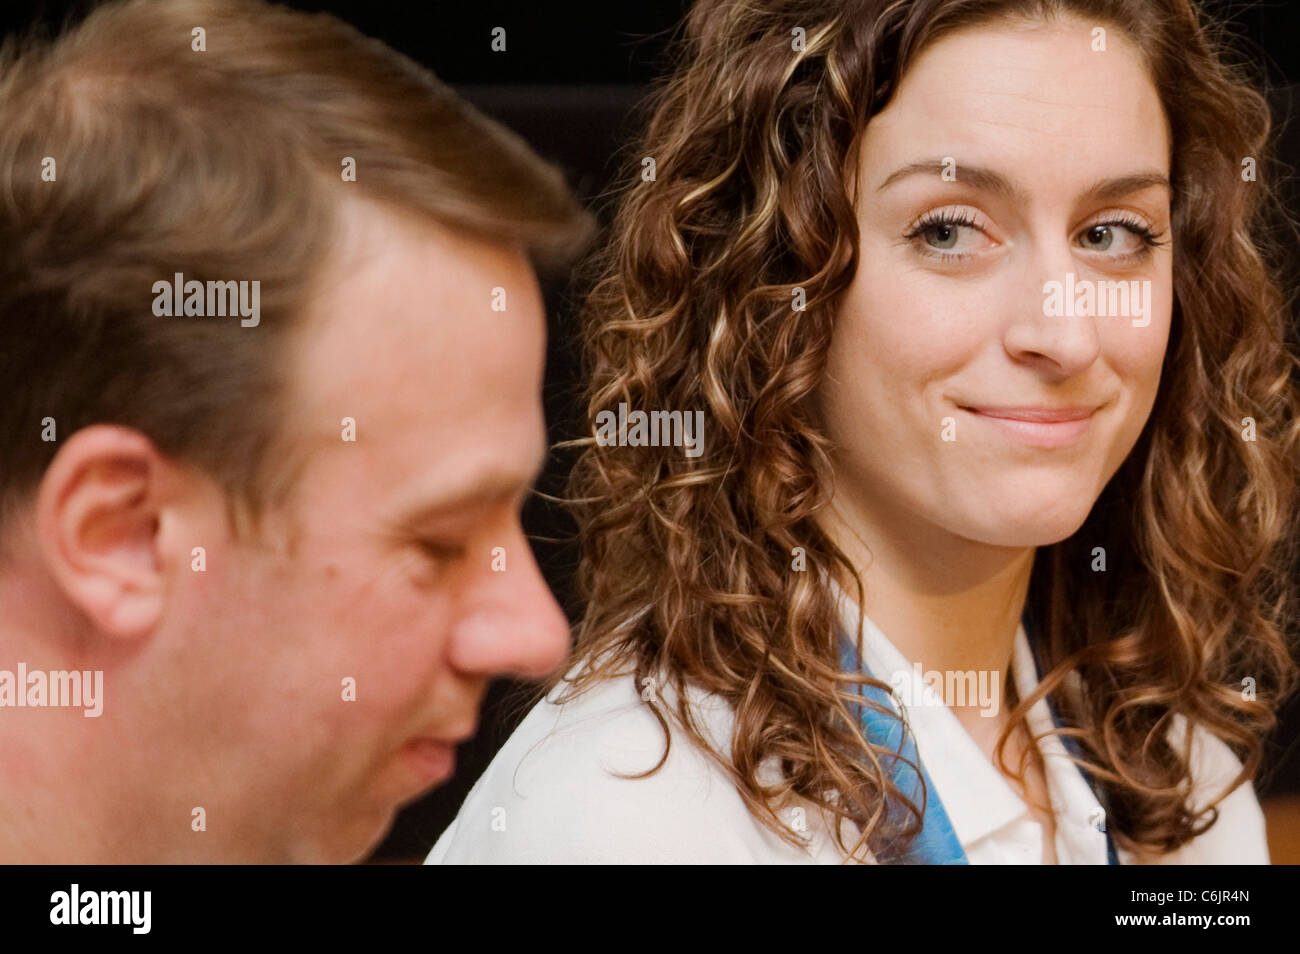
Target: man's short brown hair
{"type": "Point", "coordinates": [223, 164]}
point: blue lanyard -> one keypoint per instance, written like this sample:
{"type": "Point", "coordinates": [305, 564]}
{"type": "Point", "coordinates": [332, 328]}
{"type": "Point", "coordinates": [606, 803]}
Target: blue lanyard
{"type": "Point", "coordinates": [937, 843]}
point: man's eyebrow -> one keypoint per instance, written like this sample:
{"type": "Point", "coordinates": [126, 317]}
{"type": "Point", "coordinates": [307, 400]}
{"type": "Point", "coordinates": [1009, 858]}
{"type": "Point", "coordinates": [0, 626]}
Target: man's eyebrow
{"type": "Point", "coordinates": [495, 486]}
{"type": "Point", "coordinates": [989, 180]}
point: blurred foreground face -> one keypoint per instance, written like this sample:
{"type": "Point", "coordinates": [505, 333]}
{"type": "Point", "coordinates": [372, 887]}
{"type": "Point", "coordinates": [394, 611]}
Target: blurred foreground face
{"type": "Point", "coordinates": [967, 397]}
{"type": "Point", "coordinates": [330, 669]}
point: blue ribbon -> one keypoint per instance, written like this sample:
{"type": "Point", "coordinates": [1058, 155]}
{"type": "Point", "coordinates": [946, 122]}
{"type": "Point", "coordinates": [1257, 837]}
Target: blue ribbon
{"type": "Point", "coordinates": [937, 843]}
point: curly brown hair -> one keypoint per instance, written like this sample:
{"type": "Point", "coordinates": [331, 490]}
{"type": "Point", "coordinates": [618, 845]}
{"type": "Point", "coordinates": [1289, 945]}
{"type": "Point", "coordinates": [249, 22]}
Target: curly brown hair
{"type": "Point", "coordinates": [686, 565]}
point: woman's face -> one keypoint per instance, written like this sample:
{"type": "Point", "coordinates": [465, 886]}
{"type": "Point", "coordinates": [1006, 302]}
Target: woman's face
{"type": "Point", "coordinates": [964, 388]}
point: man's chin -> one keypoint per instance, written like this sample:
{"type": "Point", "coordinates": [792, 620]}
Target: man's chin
{"type": "Point", "coordinates": [365, 845]}
{"type": "Point", "coordinates": [346, 844]}
{"type": "Point", "coordinates": [354, 837]}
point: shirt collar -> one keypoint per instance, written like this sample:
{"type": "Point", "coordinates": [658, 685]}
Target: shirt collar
{"type": "Point", "coordinates": [1080, 820]}
{"type": "Point", "coordinates": [977, 798]}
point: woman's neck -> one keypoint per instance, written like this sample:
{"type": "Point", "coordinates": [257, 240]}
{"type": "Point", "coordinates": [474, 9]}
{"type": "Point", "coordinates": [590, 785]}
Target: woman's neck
{"type": "Point", "coordinates": [948, 603]}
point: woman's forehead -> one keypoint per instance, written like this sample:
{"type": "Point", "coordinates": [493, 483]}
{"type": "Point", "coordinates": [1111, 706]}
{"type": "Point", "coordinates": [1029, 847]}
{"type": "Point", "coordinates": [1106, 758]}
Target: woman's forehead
{"type": "Point", "coordinates": [1036, 96]}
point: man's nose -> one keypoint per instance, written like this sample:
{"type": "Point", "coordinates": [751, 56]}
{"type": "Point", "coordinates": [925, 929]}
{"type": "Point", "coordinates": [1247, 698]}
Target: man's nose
{"type": "Point", "coordinates": [512, 624]}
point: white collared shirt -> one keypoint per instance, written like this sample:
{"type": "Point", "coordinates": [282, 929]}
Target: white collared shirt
{"type": "Point", "coordinates": [991, 821]}
{"type": "Point", "coordinates": [553, 793]}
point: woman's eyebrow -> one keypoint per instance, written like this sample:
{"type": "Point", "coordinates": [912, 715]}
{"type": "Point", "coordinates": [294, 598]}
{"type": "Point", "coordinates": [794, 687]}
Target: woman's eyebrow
{"type": "Point", "coordinates": [1121, 186]}
{"type": "Point", "coordinates": [989, 180]}
{"type": "Point", "coordinates": [986, 180]}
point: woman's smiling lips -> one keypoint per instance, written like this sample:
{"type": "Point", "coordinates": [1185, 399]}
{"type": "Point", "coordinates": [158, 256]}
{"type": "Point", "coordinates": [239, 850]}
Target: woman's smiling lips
{"type": "Point", "coordinates": [1038, 426]}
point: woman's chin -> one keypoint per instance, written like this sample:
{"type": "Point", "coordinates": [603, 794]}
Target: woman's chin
{"type": "Point", "coordinates": [1021, 526]}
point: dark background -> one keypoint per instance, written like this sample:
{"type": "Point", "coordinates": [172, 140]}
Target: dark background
{"type": "Point", "coordinates": [572, 82]}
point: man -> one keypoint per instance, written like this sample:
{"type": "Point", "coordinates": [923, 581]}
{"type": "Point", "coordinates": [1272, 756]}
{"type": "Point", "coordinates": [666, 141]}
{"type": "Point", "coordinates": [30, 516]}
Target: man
{"type": "Point", "coordinates": [271, 350]}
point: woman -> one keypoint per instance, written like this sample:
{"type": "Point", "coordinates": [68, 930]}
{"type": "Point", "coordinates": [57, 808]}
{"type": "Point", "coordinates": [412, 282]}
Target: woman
{"type": "Point", "coordinates": [997, 400]}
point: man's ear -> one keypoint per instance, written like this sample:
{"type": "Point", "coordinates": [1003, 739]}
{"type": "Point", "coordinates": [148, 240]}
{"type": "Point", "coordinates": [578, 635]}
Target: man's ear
{"type": "Point", "coordinates": [98, 511]}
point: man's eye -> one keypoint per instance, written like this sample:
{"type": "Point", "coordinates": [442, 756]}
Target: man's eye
{"type": "Point", "coordinates": [442, 552]}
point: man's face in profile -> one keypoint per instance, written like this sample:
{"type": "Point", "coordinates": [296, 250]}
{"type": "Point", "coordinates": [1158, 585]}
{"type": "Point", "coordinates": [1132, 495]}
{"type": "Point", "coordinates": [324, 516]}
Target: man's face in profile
{"type": "Point", "coordinates": [323, 660]}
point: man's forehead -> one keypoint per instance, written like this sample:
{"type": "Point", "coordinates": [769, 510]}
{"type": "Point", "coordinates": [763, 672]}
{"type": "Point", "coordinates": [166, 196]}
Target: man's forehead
{"type": "Point", "coordinates": [407, 349]}
{"type": "Point", "coordinates": [406, 303]}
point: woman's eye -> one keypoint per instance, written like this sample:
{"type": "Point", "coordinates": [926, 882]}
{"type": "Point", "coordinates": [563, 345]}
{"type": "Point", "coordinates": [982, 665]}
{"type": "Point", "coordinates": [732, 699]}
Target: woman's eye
{"type": "Point", "coordinates": [1099, 237]}
{"type": "Point", "coordinates": [947, 236]}
{"type": "Point", "coordinates": [1118, 239]}
{"type": "Point", "coordinates": [942, 236]}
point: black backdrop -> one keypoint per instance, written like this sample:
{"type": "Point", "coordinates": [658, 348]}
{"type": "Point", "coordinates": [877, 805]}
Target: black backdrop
{"type": "Point", "coordinates": [572, 83]}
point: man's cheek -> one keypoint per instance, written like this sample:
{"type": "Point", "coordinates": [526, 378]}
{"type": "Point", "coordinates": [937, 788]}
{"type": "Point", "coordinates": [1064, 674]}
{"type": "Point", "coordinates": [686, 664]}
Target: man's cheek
{"type": "Point", "coordinates": [397, 659]}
